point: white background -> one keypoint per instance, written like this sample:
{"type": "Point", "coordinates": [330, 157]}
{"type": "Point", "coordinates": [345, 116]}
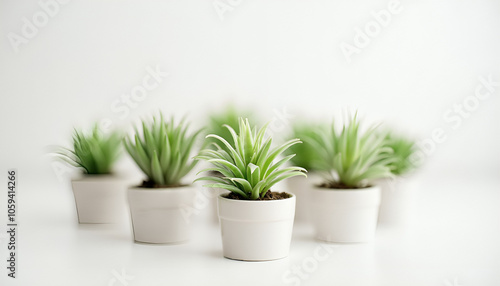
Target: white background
{"type": "Point", "coordinates": [268, 55]}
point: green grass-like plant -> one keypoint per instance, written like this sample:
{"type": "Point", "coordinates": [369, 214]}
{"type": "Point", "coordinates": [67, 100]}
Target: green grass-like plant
{"type": "Point", "coordinates": [94, 152]}
{"type": "Point", "coordinates": [305, 154]}
{"type": "Point", "coordinates": [249, 169]}
{"type": "Point", "coordinates": [403, 149]}
{"type": "Point", "coordinates": [163, 152]}
{"type": "Point", "coordinates": [351, 158]}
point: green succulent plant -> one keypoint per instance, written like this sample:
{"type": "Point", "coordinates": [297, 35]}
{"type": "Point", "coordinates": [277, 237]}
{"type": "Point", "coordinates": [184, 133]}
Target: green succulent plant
{"type": "Point", "coordinates": [216, 121]}
{"type": "Point", "coordinates": [249, 169]}
{"type": "Point", "coordinates": [351, 158]}
{"type": "Point", "coordinates": [163, 152]}
{"type": "Point", "coordinates": [94, 152]}
{"type": "Point", "coordinates": [403, 149]}
{"type": "Point", "coordinates": [306, 155]}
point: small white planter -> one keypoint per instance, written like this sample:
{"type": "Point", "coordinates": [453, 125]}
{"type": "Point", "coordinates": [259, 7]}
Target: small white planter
{"type": "Point", "coordinates": [256, 230]}
{"type": "Point", "coordinates": [100, 198]}
{"type": "Point", "coordinates": [398, 201]}
{"type": "Point", "coordinates": [345, 215]}
{"type": "Point", "coordinates": [302, 187]}
{"type": "Point", "coordinates": [161, 215]}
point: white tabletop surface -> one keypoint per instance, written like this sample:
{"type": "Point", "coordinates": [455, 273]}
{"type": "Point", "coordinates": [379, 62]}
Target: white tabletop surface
{"type": "Point", "coordinates": [454, 241]}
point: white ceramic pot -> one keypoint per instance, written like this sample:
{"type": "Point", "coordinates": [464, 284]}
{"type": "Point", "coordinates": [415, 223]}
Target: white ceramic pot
{"type": "Point", "coordinates": [301, 187]}
{"type": "Point", "coordinates": [100, 198]}
{"type": "Point", "coordinates": [161, 215]}
{"type": "Point", "coordinates": [256, 230]}
{"type": "Point", "coordinates": [398, 201]}
{"type": "Point", "coordinates": [345, 215]}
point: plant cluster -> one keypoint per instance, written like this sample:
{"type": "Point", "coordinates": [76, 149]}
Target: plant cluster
{"type": "Point", "coordinates": [243, 157]}
{"type": "Point", "coordinates": [163, 152]}
{"type": "Point", "coordinates": [248, 169]}
{"type": "Point", "coordinates": [351, 158]}
{"type": "Point", "coordinates": [94, 152]}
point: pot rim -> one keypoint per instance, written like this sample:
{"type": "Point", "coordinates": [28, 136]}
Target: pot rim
{"type": "Point", "coordinates": [83, 177]}
{"type": "Point", "coordinates": [366, 189]}
{"type": "Point", "coordinates": [255, 201]}
{"type": "Point", "coordinates": [96, 175]}
{"type": "Point", "coordinates": [144, 189]}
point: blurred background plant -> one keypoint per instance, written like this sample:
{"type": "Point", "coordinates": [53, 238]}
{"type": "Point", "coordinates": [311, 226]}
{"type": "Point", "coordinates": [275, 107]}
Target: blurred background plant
{"type": "Point", "coordinates": [228, 116]}
{"type": "Point", "coordinates": [94, 152]}
{"type": "Point", "coordinates": [163, 152]}
{"type": "Point", "coordinates": [402, 151]}
{"type": "Point", "coordinates": [351, 158]}
{"type": "Point", "coordinates": [306, 156]}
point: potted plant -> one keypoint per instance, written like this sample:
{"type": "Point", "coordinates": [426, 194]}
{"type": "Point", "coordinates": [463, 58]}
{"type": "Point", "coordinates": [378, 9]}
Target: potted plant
{"type": "Point", "coordinates": [305, 157]}
{"type": "Point", "coordinates": [228, 116]}
{"type": "Point", "coordinates": [345, 207]}
{"type": "Point", "coordinates": [99, 194]}
{"type": "Point", "coordinates": [158, 206]}
{"type": "Point", "coordinates": [256, 223]}
{"type": "Point", "coordinates": [398, 192]}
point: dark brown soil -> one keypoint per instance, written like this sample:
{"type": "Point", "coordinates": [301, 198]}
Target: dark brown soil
{"type": "Point", "coordinates": [152, 185]}
{"type": "Point", "coordinates": [335, 185]}
{"type": "Point", "coordinates": [269, 196]}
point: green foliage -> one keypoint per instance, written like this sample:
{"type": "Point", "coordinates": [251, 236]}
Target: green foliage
{"type": "Point", "coordinates": [403, 149]}
{"type": "Point", "coordinates": [306, 155]}
{"type": "Point", "coordinates": [248, 169]}
{"type": "Point", "coordinates": [163, 152]}
{"type": "Point", "coordinates": [216, 121]}
{"type": "Point", "coordinates": [352, 158]}
{"type": "Point", "coordinates": [95, 152]}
